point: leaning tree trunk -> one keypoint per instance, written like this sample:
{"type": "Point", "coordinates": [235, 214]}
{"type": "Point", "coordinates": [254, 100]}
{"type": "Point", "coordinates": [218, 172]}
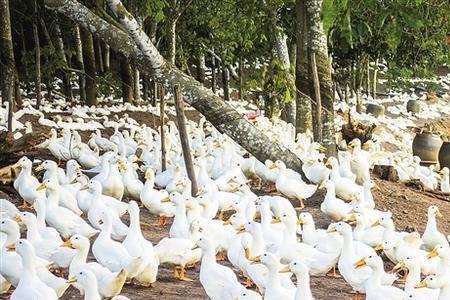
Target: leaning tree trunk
{"type": "Point", "coordinates": [7, 60]}
{"type": "Point", "coordinates": [282, 54]}
{"type": "Point", "coordinates": [37, 49]}
{"type": "Point", "coordinates": [80, 65]}
{"type": "Point", "coordinates": [89, 66]}
{"type": "Point", "coordinates": [139, 47]}
{"type": "Point", "coordinates": [318, 45]}
{"type": "Point", "coordinates": [303, 79]}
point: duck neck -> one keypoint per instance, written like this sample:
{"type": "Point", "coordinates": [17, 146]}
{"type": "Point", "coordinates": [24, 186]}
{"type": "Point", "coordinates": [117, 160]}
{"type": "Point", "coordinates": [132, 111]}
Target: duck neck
{"type": "Point", "coordinates": [431, 223]}
{"type": "Point", "coordinates": [80, 258]}
{"type": "Point", "coordinates": [258, 241]}
{"type": "Point", "coordinates": [413, 277]}
{"type": "Point", "coordinates": [389, 229]}
{"type": "Point", "coordinates": [106, 230]}
{"type": "Point", "coordinates": [290, 234]}
{"type": "Point", "coordinates": [29, 268]}
{"type": "Point", "coordinates": [40, 217]}
{"type": "Point", "coordinates": [303, 291]}
{"type": "Point", "coordinates": [273, 279]}
{"type": "Point", "coordinates": [135, 226]}
{"type": "Point", "coordinates": [52, 197]}
{"type": "Point", "coordinates": [308, 231]}
{"type": "Point", "coordinates": [33, 234]}
{"type": "Point", "coordinates": [266, 217]}
{"type": "Point", "coordinates": [180, 214]}
{"type": "Point", "coordinates": [347, 247]}
{"type": "Point", "coordinates": [208, 256]}
{"type": "Point", "coordinates": [331, 194]}
{"type": "Point", "coordinates": [443, 269]}
{"type": "Point", "coordinates": [91, 291]}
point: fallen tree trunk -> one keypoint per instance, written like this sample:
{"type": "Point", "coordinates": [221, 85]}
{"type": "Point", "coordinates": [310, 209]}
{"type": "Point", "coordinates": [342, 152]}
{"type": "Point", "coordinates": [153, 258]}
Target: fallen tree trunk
{"type": "Point", "coordinates": [226, 119]}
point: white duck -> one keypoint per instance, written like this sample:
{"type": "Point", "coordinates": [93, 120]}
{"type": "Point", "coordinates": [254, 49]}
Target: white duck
{"type": "Point", "coordinates": [132, 185]}
{"type": "Point", "coordinates": [431, 236]}
{"type": "Point", "coordinates": [25, 183]}
{"type": "Point", "coordinates": [62, 219]}
{"type": "Point", "coordinates": [86, 279]}
{"type": "Point", "coordinates": [441, 283]}
{"type": "Point", "coordinates": [30, 285]}
{"type": "Point", "coordinates": [109, 283]}
{"type": "Point", "coordinates": [290, 184]}
{"type": "Point", "coordinates": [301, 272]}
{"type": "Point", "coordinates": [346, 189]}
{"type": "Point", "coordinates": [333, 207]}
{"type": "Point", "coordinates": [154, 199]}
{"type": "Point", "coordinates": [445, 180]}
{"type": "Point", "coordinates": [138, 246]}
{"type": "Point", "coordinates": [112, 254]}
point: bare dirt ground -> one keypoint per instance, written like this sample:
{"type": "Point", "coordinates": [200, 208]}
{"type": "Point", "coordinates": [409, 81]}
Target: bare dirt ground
{"type": "Point", "coordinates": [408, 205]}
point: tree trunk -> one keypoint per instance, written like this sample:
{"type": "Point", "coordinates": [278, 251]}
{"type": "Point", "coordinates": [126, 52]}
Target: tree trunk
{"type": "Point", "coordinates": [213, 73]}
{"type": "Point", "coordinates": [317, 124]}
{"type": "Point", "coordinates": [80, 65]}
{"type": "Point", "coordinates": [368, 78]}
{"type": "Point", "coordinates": [226, 82]}
{"type": "Point", "coordinates": [37, 49]}
{"type": "Point", "coordinates": [126, 75]}
{"type": "Point", "coordinates": [136, 45]}
{"type": "Point", "coordinates": [201, 67]}
{"type": "Point", "coordinates": [65, 75]}
{"type": "Point", "coordinates": [184, 139]}
{"type": "Point", "coordinates": [89, 66]}
{"type": "Point", "coordinates": [318, 45]}
{"type": "Point", "coordinates": [7, 60]}
{"type": "Point", "coordinates": [171, 37]}
{"type": "Point", "coordinates": [136, 84]}
{"type": "Point", "coordinates": [106, 57]}
{"type": "Point", "coordinates": [145, 87]}
{"type": "Point", "coordinates": [375, 80]}
{"type": "Point", "coordinates": [162, 131]}
{"type": "Point", "coordinates": [282, 54]}
{"type": "Point", "coordinates": [303, 80]}
{"type": "Point", "coordinates": [241, 78]}
{"type": "Point", "coordinates": [23, 51]}
{"type": "Point", "coordinates": [98, 56]}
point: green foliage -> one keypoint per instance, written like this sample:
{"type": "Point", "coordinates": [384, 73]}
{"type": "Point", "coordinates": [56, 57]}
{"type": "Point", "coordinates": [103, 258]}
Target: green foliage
{"type": "Point", "coordinates": [108, 85]}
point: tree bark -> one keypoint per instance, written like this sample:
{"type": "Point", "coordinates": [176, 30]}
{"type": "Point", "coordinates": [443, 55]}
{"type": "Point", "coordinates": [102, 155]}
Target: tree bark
{"type": "Point", "coordinates": [171, 36]}
{"type": "Point", "coordinates": [201, 68]}
{"type": "Point", "coordinates": [136, 84]}
{"type": "Point", "coordinates": [303, 81]}
{"type": "Point", "coordinates": [375, 80]}
{"type": "Point", "coordinates": [318, 45]}
{"type": "Point", "coordinates": [7, 60]}
{"type": "Point", "coordinates": [106, 57]}
{"type": "Point", "coordinates": [282, 54]}
{"type": "Point", "coordinates": [80, 65]}
{"type": "Point", "coordinates": [136, 45]}
{"type": "Point", "coordinates": [145, 87]}
{"type": "Point", "coordinates": [126, 75]}
{"type": "Point", "coordinates": [184, 139]}
{"type": "Point", "coordinates": [89, 66]}
{"type": "Point", "coordinates": [241, 78]}
{"type": "Point", "coordinates": [318, 111]}
{"type": "Point", "coordinates": [98, 56]}
{"type": "Point", "coordinates": [226, 82]}
{"type": "Point", "coordinates": [162, 131]}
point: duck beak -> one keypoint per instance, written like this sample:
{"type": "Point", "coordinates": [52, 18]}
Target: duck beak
{"type": "Point", "coordinates": [41, 187]}
{"type": "Point", "coordinates": [256, 259]}
{"type": "Point", "coordinates": [378, 247]}
{"type": "Point", "coordinates": [67, 244]}
{"type": "Point", "coordinates": [352, 218]}
{"type": "Point", "coordinates": [72, 279]}
{"type": "Point", "coordinates": [399, 266]}
{"type": "Point", "coordinates": [257, 215]}
{"type": "Point", "coordinates": [39, 168]}
{"type": "Point", "coordinates": [84, 187]}
{"type": "Point", "coordinates": [100, 222]}
{"type": "Point", "coordinates": [322, 186]}
{"type": "Point", "coordinates": [247, 252]}
{"type": "Point", "coordinates": [11, 247]}
{"type": "Point", "coordinates": [272, 166]}
{"type": "Point", "coordinates": [328, 163]}
{"type": "Point", "coordinates": [421, 284]}
{"type": "Point", "coordinates": [438, 213]}
{"type": "Point", "coordinates": [322, 148]}
{"type": "Point", "coordinates": [432, 253]}
{"type": "Point", "coordinates": [376, 223]}
{"type": "Point", "coordinates": [360, 263]}
{"type": "Point", "coordinates": [240, 229]}
{"type": "Point", "coordinates": [234, 190]}
{"type": "Point", "coordinates": [195, 247]}
{"type": "Point", "coordinates": [300, 221]}
{"type": "Point", "coordinates": [166, 199]}
{"type": "Point", "coordinates": [331, 229]}
{"type": "Point", "coordinates": [286, 269]}
{"type": "Point", "coordinates": [74, 181]}
{"type": "Point", "coordinates": [16, 165]}
{"type": "Point", "coordinates": [227, 222]}
{"type": "Point", "coordinates": [231, 180]}
{"type": "Point", "coordinates": [18, 219]}
{"type": "Point", "coordinates": [277, 220]}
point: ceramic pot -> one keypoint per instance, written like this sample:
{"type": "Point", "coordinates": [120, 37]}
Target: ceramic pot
{"type": "Point", "coordinates": [444, 155]}
{"type": "Point", "coordinates": [375, 109]}
{"type": "Point", "coordinates": [426, 146]}
{"type": "Point", "coordinates": [413, 106]}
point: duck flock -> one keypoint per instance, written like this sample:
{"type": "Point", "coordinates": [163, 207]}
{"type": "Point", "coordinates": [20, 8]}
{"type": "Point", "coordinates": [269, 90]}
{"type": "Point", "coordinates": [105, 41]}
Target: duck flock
{"type": "Point", "coordinates": [79, 209]}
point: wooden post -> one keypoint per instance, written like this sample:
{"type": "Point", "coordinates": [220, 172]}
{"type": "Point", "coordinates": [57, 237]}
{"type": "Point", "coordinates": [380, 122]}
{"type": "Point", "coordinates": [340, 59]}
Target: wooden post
{"type": "Point", "coordinates": [161, 122]}
{"type": "Point", "coordinates": [317, 96]}
{"type": "Point", "coordinates": [179, 107]}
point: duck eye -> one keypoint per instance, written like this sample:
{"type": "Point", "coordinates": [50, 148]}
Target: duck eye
{"type": "Point", "coordinates": [295, 264]}
{"type": "Point", "coordinates": [265, 254]}
{"type": "Point", "coordinates": [76, 238]}
{"type": "Point", "coordinates": [244, 294]}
